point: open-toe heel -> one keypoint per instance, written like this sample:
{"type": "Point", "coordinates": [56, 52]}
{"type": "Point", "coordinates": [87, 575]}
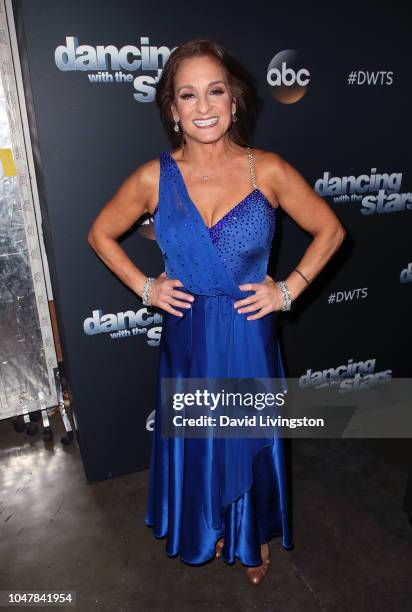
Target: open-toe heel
{"type": "Point", "coordinates": [219, 546]}
{"type": "Point", "coordinates": [257, 574]}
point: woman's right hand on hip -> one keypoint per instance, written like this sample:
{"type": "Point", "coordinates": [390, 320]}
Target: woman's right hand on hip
{"type": "Point", "coordinates": [164, 295]}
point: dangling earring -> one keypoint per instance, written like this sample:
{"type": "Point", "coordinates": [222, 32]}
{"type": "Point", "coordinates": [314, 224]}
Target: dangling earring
{"type": "Point", "coordinates": [176, 127]}
{"type": "Point", "coordinates": [234, 118]}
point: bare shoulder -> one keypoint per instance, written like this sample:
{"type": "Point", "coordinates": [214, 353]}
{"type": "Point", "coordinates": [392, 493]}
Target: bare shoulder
{"type": "Point", "coordinates": [144, 182]}
{"type": "Point", "coordinates": [148, 173]}
{"type": "Point", "coordinates": [139, 191]}
{"type": "Point", "coordinates": [270, 163]}
{"type": "Point", "coordinates": [278, 174]}
{"type": "Point", "coordinates": [271, 171]}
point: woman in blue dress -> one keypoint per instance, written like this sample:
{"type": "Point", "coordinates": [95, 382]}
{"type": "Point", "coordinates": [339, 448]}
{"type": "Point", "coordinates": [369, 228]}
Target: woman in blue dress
{"type": "Point", "coordinates": [214, 202]}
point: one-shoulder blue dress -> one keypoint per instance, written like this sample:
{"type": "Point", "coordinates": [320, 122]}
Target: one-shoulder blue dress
{"type": "Point", "coordinates": [203, 489]}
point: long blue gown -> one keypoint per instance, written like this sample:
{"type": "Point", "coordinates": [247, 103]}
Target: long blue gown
{"type": "Point", "coordinates": [202, 489]}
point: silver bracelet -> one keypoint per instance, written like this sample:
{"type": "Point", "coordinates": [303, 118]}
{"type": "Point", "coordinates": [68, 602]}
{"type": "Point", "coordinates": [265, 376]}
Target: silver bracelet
{"type": "Point", "coordinates": [287, 300]}
{"type": "Point", "coordinates": [146, 291]}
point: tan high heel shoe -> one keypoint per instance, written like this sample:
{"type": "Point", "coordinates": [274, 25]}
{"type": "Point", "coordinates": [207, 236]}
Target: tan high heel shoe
{"type": "Point", "coordinates": [219, 546]}
{"type": "Point", "coordinates": [257, 574]}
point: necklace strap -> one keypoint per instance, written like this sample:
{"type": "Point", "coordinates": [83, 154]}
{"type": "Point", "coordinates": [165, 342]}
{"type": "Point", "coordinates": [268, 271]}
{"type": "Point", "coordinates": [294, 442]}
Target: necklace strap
{"type": "Point", "coordinates": [251, 167]}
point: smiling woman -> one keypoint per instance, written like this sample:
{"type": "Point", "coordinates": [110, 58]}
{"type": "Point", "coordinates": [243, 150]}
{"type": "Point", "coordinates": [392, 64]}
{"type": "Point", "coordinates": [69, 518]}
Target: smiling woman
{"type": "Point", "coordinates": [215, 496]}
{"type": "Point", "coordinates": [234, 82]}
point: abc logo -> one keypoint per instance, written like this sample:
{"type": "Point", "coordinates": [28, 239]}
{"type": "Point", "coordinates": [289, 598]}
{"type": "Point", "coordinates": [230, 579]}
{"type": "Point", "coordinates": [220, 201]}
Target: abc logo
{"type": "Point", "coordinates": [286, 77]}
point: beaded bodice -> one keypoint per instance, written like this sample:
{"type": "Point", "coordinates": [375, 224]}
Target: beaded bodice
{"type": "Point", "coordinates": [212, 260]}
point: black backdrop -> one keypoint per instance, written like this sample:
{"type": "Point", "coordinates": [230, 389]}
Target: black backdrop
{"type": "Point", "coordinates": [89, 136]}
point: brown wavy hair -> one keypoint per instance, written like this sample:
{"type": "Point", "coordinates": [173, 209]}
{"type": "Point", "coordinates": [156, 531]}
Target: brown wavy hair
{"type": "Point", "coordinates": [241, 84]}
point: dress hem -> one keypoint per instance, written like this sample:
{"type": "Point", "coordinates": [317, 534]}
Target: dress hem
{"type": "Point", "coordinates": [277, 534]}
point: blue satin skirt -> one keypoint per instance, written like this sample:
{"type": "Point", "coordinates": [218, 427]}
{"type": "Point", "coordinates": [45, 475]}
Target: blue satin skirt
{"type": "Point", "coordinates": [187, 502]}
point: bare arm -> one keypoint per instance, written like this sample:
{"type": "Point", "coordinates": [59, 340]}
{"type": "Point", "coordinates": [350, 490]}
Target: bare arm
{"type": "Point", "coordinates": [135, 196]}
{"type": "Point", "coordinates": [131, 200]}
{"type": "Point", "coordinates": [313, 214]}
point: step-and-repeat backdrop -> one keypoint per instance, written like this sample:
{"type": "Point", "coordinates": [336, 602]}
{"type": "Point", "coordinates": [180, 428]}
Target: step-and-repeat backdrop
{"type": "Point", "coordinates": [335, 86]}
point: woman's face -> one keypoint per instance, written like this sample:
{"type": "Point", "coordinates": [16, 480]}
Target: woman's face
{"type": "Point", "coordinates": [202, 93]}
